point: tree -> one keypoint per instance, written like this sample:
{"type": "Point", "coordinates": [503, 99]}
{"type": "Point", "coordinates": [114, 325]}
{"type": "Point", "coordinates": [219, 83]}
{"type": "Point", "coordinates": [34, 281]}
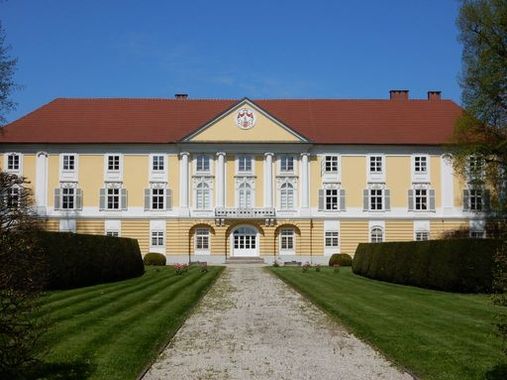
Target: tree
{"type": "Point", "coordinates": [7, 85]}
{"type": "Point", "coordinates": [21, 277]}
{"type": "Point", "coordinates": [482, 130]}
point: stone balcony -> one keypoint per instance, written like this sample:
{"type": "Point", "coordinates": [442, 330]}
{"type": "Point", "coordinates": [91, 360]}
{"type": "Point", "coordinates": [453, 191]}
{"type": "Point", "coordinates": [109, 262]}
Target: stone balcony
{"type": "Point", "coordinates": [266, 213]}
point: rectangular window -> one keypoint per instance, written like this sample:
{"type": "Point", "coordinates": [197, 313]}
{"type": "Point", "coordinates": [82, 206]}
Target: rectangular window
{"type": "Point", "coordinates": [477, 234]}
{"type": "Point", "coordinates": [421, 235]}
{"type": "Point", "coordinates": [376, 199]}
{"type": "Point", "coordinates": [475, 165]}
{"type": "Point", "coordinates": [13, 161]}
{"type": "Point", "coordinates": [113, 199]}
{"type": "Point", "coordinates": [113, 163]}
{"type": "Point", "coordinates": [68, 198]}
{"type": "Point", "coordinates": [475, 200]}
{"type": "Point", "coordinates": [331, 199]}
{"type": "Point", "coordinates": [287, 239]}
{"type": "Point", "coordinates": [375, 164]}
{"type": "Point", "coordinates": [331, 164]}
{"type": "Point", "coordinates": [69, 161]}
{"type": "Point", "coordinates": [13, 197]}
{"type": "Point", "coordinates": [421, 199]}
{"type": "Point", "coordinates": [287, 164]}
{"type": "Point", "coordinates": [331, 239]}
{"type": "Point", "coordinates": [157, 199]}
{"type": "Point", "coordinates": [245, 164]}
{"type": "Point", "coordinates": [113, 233]}
{"type": "Point", "coordinates": [420, 164]}
{"type": "Point", "coordinates": [203, 163]}
{"type": "Point", "coordinates": [157, 238]}
{"type": "Point", "coordinates": [158, 163]}
{"type": "Point", "coordinates": [202, 239]}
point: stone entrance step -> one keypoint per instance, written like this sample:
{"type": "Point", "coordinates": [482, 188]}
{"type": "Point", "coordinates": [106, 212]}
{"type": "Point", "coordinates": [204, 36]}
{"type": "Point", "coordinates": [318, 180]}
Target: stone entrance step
{"type": "Point", "coordinates": [244, 260]}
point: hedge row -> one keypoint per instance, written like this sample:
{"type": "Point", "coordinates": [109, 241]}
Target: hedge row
{"type": "Point", "coordinates": [460, 265]}
{"type": "Point", "coordinates": [76, 260]}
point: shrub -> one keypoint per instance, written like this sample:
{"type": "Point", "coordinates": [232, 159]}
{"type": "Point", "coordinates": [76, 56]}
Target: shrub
{"type": "Point", "coordinates": [306, 266]}
{"type": "Point", "coordinates": [458, 265]}
{"type": "Point", "coordinates": [180, 268]}
{"type": "Point", "coordinates": [154, 258]}
{"type": "Point", "coordinates": [342, 259]}
{"type": "Point", "coordinates": [76, 260]}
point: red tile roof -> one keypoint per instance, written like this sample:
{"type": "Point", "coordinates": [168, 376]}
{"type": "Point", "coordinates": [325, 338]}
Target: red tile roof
{"type": "Point", "coordinates": [322, 121]}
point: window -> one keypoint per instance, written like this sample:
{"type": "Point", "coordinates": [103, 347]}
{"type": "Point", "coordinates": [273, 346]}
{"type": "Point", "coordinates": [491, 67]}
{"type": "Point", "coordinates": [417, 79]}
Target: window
{"type": "Point", "coordinates": [376, 199]}
{"type": "Point", "coordinates": [421, 199]}
{"type": "Point", "coordinates": [202, 196]}
{"type": "Point", "coordinates": [113, 233]}
{"type": "Point", "coordinates": [331, 164]}
{"type": "Point", "coordinates": [331, 239]}
{"type": "Point", "coordinates": [420, 164]}
{"type": "Point", "coordinates": [475, 234]}
{"type": "Point", "coordinates": [113, 198]}
{"type": "Point", "coordinates": [157, 198]}
{"type": "Point", "coordinates": [157, 238]}
{"type": "Point", "coordinates": [202, 239]}
{"type": "Point", "coordinates": [68, 198]}
{"type": "Point", "coordinates": [287, 239]}
{"type": "Point", "coordinates": [286, 196]}
{"type": "Point", "coordinates": [331, 199]}
{"type": "Point", "coordinates": [376, 235]}
{"type": "Point", "coordinates": [375, 164]}
{"type": "Point", "coordinates": [13, 198]}
{"type": "Point", "coordinates": [68, 162]}
{"type": "Point", "coordinates": [13, 161]}
{"type": "Point", "coordinates": [421, 235]}
{"type": "Point", "coordinates": [287, 164]}
{"type": "Point", "coordinates": [475, 165]}
{"type": "Point", "coordinates": [113, 163]}
{"type": "Point", "coordinates": [475, 199]}
{"type": "Point", "coordinates": [202, 163]}
{"type": "Point", "coordinates": [245, 164]}
{"type": "Point", "coordinates": [158, 163]}
{"type": "Point", "coordinates": [245, 196]}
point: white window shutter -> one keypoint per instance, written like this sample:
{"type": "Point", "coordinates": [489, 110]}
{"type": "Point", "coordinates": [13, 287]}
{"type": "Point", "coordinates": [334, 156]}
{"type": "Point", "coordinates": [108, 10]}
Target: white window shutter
{"type": "Point", "coordinates": [342, 199]}
{"type": "Point", "coordinates": [147, 196]}
{"type": "Point", "coordinates": [58, 199]}
{"type": "Point", "coordinates": [365, 200]}
{"type": "Point", "coordinates": [387, 199]}
{"type": "Point", "coordinates": [79, 199]}
{"type": "Point", "coordinates": [432, 199]}
{"type": "Point", "coordinates": [168, 199]}
{"type": "Point", "coordinates": [321, 199]}
{"type": "Point", "coordinates": [411, 200]}
{"type": "Point", "coordinates": [123, 199]}
{"type": "Point", "coordinates": [102, 199]}
{"type": "Point", "coordinates": [466, 200]}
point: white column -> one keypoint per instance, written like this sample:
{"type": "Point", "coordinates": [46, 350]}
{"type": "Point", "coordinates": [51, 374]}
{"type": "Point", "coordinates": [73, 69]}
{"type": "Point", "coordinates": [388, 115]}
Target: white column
{"type": "Point", "coordinates": [268, 180]}
{"type": "Point", "coordinates": [305, 195]}
{"type": "Point", "coordinates": [41, 182]}
{"type": "Point", "coordinates": [220, 179]}
{"type": "Point", "coordinates": [184, 179]}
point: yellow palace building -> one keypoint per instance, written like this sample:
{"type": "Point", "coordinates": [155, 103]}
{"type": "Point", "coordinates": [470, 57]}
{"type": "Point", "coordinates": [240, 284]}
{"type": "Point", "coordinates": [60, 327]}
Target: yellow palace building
{"type": "Point", "coordinates": [274, 178]}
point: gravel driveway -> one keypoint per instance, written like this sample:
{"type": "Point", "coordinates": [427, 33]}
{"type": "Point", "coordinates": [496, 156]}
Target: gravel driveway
{"type": "Point", "coordinates": [251, 325]}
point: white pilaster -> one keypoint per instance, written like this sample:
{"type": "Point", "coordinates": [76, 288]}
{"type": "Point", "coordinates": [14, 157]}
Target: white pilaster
{"type": "Point", "coordinates": [447, 180]}
{"type": "Point", "coordinates": [268, 180]}
{"type": "Point", "coordinates": [220, 168]}
{"type": "Point", "coordinates": [305, 196]}
{"type": "Point", "coordinates": [41, 182]}
{"type": "Point", "coordinates": [184, 179]}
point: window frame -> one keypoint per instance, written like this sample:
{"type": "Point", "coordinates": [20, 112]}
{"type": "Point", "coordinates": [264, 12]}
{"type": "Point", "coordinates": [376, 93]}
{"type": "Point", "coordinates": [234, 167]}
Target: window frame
{"type": "Point", "coordinates": [285, 167]}
{"type": "Point", "coordinates": [374, 238]}
{"type": "Point", "coordinates": [333, 161]}
{"type": "Point", "coordinates": [203, 163]}
{"type": "Point", "coordinates": [425, 197]}
{"type": "Point", "coordinates": [287, 240]}
{"type": "Point", "coordinates": [287, 196]}
{"type": "Point", "coordinates": [202, 235]}
{"type": "Point", "coordinates": [242, 160]}
{"type": "Point", "coordinates": [202, 196]}
{"type": "Point", "coordinates": [333, 237]}
{"type": "Point", "coordinates": [373, 159]}
{"type": "Point", "coordinates": [19, 168]}
{"type": "Point", "coordinates": [419, 233]}
{"type": "Point", "coordinates": [331, 196]}
{"type": "Point", "coordinates": [156, 198]}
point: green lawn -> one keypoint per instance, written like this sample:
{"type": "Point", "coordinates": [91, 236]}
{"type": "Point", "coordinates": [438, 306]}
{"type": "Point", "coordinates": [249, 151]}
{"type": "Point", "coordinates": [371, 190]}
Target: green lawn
{"type": "Point", "coordinates": [435, 335]}
{"type": "Point", "coordinates": [113, 331]}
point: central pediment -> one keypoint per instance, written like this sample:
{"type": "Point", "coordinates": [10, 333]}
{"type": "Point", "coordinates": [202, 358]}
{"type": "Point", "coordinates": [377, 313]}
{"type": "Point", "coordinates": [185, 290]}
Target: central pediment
{"type": "Point", "coordinates": [245, 122]}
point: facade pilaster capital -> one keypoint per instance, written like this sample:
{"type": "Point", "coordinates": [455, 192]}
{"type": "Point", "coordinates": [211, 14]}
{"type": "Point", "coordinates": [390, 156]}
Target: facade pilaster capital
{"type": "Point", "coordinates": [269, 154]}
{"type": "Point", "coordinates": [305, 154]}
{"type": "Point", "coordinates": [183, 154]}
{"type": "Point", "coordinates": [221, 154]}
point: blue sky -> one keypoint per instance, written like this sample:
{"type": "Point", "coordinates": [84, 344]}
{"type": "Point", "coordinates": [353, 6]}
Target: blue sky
{"type": "Point", "coordinates": [231, 49]}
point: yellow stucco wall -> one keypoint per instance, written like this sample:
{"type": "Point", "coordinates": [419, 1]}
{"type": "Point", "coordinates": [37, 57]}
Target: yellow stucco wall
{"type": "Point", "coordinates": [53, 177]}
{"type": "Point", "coordinates": [396, 181]}
{"type": "Point", "coordinates": [315, 180]}
{"type": "Point", "coordinates": [353, 232]}
{"type": "Point", "coordinates": [90, 226]}
{"type": "Point", "coordinates": [173, 175]}
{"type": "Point", "coordinates": [137, 229]}
{"type": "Point", "coordinates": [91, 178]}
{"type": "Point", "coordinates": [399, 230]}
{"type": "Point", "coordinates": [436, 178]}
{"type": "Point", "coordinates": [353, 180]}
{"type": "Point", "coordinates": [225, 129]}
{"type": "Point", "coordinates": [135, 178]}
{"type": "Point", "coordinates": [259, 181]}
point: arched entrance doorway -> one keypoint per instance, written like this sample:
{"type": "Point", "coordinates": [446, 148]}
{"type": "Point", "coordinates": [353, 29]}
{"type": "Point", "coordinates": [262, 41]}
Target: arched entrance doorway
{"type": "Point", "coordinates": [245, 241]}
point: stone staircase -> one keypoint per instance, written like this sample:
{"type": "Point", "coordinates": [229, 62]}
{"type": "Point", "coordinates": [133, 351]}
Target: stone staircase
{"type": "Point", "coordinates": [244, 260]}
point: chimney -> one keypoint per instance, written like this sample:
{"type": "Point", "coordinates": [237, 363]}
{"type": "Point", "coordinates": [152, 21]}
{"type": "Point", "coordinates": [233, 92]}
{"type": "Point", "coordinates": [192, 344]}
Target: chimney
{"type": "Point", "coordinates": [398, 94]}
{"type": "Point", "coordinates": [434, 95]}
{"type": "Point", "coordinates": [181, 96]}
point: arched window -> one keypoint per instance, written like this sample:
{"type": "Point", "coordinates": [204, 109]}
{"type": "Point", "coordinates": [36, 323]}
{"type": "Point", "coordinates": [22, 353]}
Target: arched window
{"type": "Point", "coordinates": [376, 235]}
{"type": "Point", "coordinates": [245, 196]}
{"type": "Point", "coordinates": [202, 196]}
{"type": "Point", "coordinates": [287, 196]}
